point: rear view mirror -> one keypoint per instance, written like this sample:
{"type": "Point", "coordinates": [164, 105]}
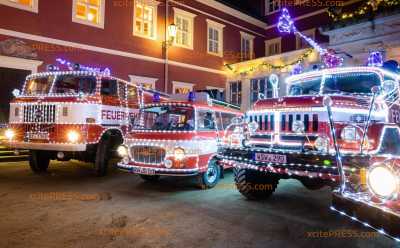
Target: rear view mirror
{"type": "Point", "coordinates": [388, 86]}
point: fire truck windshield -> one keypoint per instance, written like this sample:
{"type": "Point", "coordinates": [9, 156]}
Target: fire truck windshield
{"type": "Point", "coordinates": [177, 118]}
{"type": "Point", "coordinates": [344, 83]}
{"type": "Point", "coordinates": [64, 84]}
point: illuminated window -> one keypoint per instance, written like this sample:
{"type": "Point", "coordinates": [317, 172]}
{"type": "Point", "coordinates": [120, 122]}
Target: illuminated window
{"type": "Point", "coordinates": [272, 6]}
{"type": "Point", "coordinates": [145, 82]}
{"type": "Point", "coordinates": [273, 47]}
{"type": "Point", "coordinates": [145, 18]}
{"type": "Point", "coordinates": [184, 22]}
{"type": "Point", "coordinates": [29, 5]}
{"type": "Point", "coordinates": [89, 12]}
{"type": "Point", "coordinates": [246, 46]}
{"type": "Point", "coordinates": [215, 38]}
{"type": "Point", "coordinates": [301, 43]}
{"type": "Point", "coordinates": [181, 88]}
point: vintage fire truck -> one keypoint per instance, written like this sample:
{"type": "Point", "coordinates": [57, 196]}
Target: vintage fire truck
{"type": "Point", "coordinates": [289, 137]}
{"type": "Point", "coordinates": [74, 114]}
{"type": "Point", "coordinates": [178, 138]}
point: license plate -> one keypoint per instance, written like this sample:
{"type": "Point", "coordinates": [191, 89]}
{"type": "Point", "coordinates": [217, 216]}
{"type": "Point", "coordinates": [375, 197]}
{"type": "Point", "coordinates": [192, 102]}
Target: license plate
{"type": "Point", "coordinates": [145, 171]}
{"type": "Point", "coordinates": [271, 158]}
{"type": "Point", "coordinates": [38, 136]}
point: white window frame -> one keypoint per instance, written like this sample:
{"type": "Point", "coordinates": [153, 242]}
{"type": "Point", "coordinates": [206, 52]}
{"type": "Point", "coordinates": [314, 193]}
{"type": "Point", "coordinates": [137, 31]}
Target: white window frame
{"type": "Point", "coordinates": [268, 43]}
{"type": "Point", "coordinates": [140, 80]}
{"type": "Point", "coordinates": [86, 22]}
{"type": "Point", "coordinates": [220, 28]}
{"type": "Point", "coordinates": [237, 93]}
{"type": "Point", "coordinates": [267, 3]}
{"type": "Point", "coordinates": [250, 38]}
{"type": "Point", "coordinates": [153, 4]}
{"type": "Point", "coordinates": [215, 88]}
{"type": "Point", "coordinates": [176, 84]}
{"type": "Point", "coordinates": [309, 33]}
{"type": "Point", "coordinates": [34, 8]}
{"type": "Point", "coordinates": [190, 17]}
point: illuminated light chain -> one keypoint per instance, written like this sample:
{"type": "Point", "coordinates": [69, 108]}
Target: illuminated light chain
{"type": "Point", "coordinates": [353, 218]}
{"type": "Point", "coordinates": [375, 59]}
{"type": "Point", "coordinates": [285, 171]}
{"type": "Point", "coordinates": [369, 6]}
{"type": "Point", "coordinates": [270, 66]}
{"type": "Point", "coordinates": [328, 56]}
{"type": "Point", "coordinates": [71, 66]}
{"type": "Point", "coordinates": [126, 166]}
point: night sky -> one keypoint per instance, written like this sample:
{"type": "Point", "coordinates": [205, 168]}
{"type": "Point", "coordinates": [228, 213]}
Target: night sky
{"type": "Point", "coordinates": [244, 5]}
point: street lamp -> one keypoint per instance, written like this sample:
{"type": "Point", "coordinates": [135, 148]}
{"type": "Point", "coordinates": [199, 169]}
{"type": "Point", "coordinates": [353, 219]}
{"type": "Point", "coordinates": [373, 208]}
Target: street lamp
{"type": "Point", "coordinates": [172, 29]}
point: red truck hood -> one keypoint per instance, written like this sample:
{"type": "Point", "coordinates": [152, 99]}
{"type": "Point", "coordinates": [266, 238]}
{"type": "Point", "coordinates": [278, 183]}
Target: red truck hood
{"type": "Point", "coordinates": [361, 102]}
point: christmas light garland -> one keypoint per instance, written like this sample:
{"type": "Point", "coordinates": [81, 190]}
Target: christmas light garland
{"type": "Point", "coordinates": [367, 7]}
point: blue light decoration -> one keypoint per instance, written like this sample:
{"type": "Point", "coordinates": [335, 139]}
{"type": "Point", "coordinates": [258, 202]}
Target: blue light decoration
{"type": "Point", "coordinates": [156, 97]}
{"type": "Point", "coordinates": [286, 25]}
{"type": "Point", "coordinates": [297, 69]}
{"type": "Point", "coordinates": [375, 59]}
{"type": "Point", "coordinates": [74, 66]}
{"type": "Point", "coordinates": [192, 96]}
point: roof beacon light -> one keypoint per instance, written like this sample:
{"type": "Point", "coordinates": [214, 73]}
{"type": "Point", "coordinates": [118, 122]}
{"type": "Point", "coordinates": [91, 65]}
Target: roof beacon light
{"type": "Point", "coordinates": [192, 96]}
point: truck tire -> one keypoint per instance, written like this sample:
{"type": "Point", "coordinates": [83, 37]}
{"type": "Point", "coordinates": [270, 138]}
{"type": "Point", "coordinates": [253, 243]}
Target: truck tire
{"type": "Point", "coordinates": [39, 161]}
{"type": "Point", "coordinates": [210, 178]}
{"type": "Point", "coordinates": [313, 184]}
{"type": "Point", "coordinates": [103, 156]}
{"type": "Point", "coordinates": [150, 178]}
{"type": "Point", "coordinates": [255, 185]}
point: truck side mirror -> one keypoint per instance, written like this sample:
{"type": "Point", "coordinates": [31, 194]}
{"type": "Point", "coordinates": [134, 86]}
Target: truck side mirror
{"type": "Point", "coordinates": [388, 86]}
{"type": "Point", "coordinates": [327, 101]}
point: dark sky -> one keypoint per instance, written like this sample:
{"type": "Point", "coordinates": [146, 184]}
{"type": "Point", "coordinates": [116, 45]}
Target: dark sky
{"type": "Point", "coordinates": [248, 6]}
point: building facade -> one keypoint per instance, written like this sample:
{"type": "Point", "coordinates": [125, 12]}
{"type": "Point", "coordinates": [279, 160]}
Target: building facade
{"type": "Point", "coordinates": [131, 38]}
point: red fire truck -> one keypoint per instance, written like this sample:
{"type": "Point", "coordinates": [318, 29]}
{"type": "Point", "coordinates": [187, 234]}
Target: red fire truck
{"type": "Point", "coordinates": [76, 114]}
{"type": "Point", "coordinates": [289, 137]}
{"type": "Point", "coordinates": [178, 138]}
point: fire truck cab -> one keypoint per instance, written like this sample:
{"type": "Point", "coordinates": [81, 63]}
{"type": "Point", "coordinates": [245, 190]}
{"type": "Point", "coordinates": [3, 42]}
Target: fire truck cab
{"type": "Point", "coordinates": [291, 137]}
{"type": "Point", "coordinates": [76, 114]}
{"type": "Point", "coordinates": [178, 138]}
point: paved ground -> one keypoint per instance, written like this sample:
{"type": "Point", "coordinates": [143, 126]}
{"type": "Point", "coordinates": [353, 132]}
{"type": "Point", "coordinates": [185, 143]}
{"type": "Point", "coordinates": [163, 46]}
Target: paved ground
{"type": "Point", "coordinates": [123, 211]}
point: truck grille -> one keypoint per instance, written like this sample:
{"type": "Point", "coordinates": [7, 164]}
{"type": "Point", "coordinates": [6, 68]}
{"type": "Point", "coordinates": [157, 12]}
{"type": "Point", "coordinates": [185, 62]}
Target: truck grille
{"type": "Point", "coordinates": [148, 155]}
{"type": "Point", "coordinates": [310, 122]}
{"type": "Point", "coordinates": [265, 122]}
{"type": "Point", "coordinates": [39, 113]}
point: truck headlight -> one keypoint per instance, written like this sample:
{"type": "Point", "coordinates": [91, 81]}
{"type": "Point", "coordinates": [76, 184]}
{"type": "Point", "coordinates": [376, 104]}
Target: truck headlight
{"type": "Point", "coordinates": [350, 133]}
{"type": "Point", "coordinates": [73, 136]}
{"type": "Point", "coordinates": [10, 134]}
{"type": "Point", "coordinates": [179, 154]}
{"type": "Point", "coordinates": [383, 181]}
{"type": "Point", "coordinates": [122, 151]}
{"type": "Point", "coordinates": [298, 127]}
{"type": "Point", "coordinates": [322, 144]}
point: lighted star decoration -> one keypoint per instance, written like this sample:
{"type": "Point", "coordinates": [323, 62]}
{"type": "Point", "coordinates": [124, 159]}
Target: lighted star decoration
{"type": "Point", "coordinates": [286, 25]}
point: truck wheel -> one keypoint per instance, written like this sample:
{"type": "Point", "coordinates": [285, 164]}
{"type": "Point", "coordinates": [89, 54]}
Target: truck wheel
{"type": "Point", "coordinates": [150, 178]}
{"type": "Point", "coordinates": [103, 155]}
{"type": "Point", "coordinates": [255, 185]}
{"type": "Point", "coordinates": [210, 178]}
{"type": "Point", "coordinates": [39, 161]}
{"type": "Point", "coordinates": [313, 184]}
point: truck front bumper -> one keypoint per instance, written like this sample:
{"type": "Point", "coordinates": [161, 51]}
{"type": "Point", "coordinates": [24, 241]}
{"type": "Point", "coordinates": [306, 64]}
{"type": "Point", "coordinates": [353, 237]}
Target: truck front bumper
{"type": "Point", "coordinates": [383, 220]}
{"type": "Point", "coordinates": [47, 146]}
{"type": "Point", "coordinates": [144, 170]}
{"type": "Point", "coordinates": [286, 163]}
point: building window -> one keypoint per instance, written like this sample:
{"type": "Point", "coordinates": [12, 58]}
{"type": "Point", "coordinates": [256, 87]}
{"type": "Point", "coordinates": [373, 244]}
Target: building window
{"type": "Point", "coordinates": [29, 5]}
{"type": "Point", "coordinates": [184, 22]}
{"type": "Point", "coordinates": [145, 18]}
{"type": "Point", "coordinates": [247, 41]}
{"type": "Point", "coordinates": [273, 47]}
{"type": "Point", "coordinates": [236, 92]}
{"type": "Point", "coordinates": [215, 39]}
{"type": "Point", "coordinates": [261, 88]}
{"type": "Point", "coordinates": [301, 43]}
{"type": "Point", "coordinates": [89, 12]}
{"type": "Point", "coordinates": [272, 6]}
{"type": "Point", "coordinates": [181, 88]}
{"type": "Point", "coordinates": [145, 82]}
